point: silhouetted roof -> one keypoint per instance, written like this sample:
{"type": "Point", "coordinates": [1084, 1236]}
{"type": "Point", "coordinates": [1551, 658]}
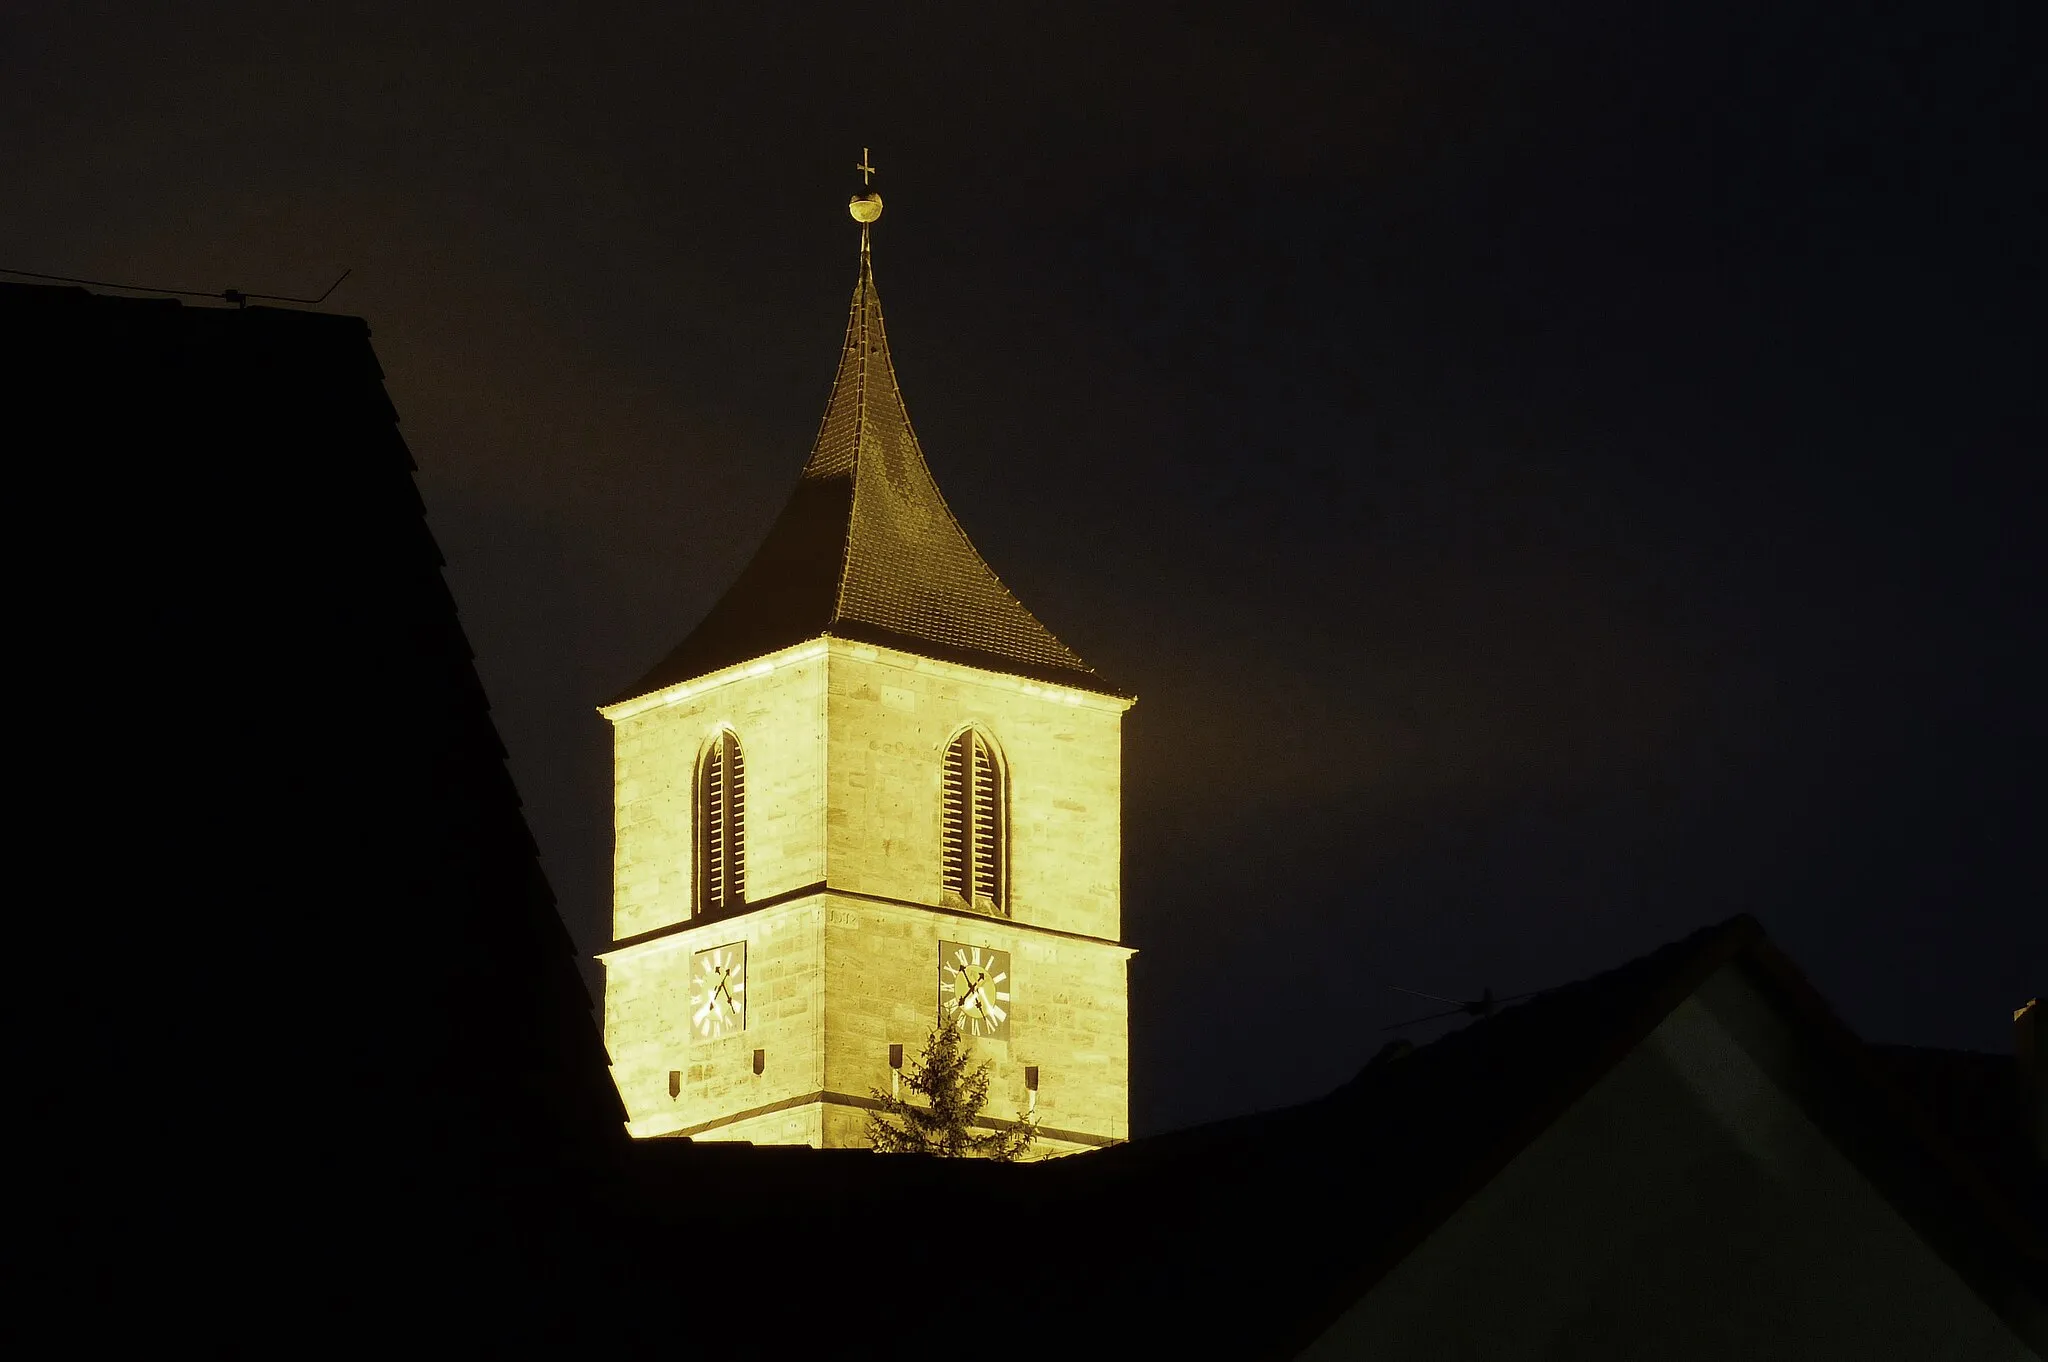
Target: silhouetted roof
{"type": "Point", "coordinates": [1385, 1159]}
{"type": "Point", "coordinates": [1979, 1103]}
{"type": "Point", "coordinates": [1248, 1236]}
{"type": "Point", "coordinates": [320, 1001]}
{"type": "Point", "coordinates": [310, 991]}
{"type": "Point", "coordinates": [866, 548]}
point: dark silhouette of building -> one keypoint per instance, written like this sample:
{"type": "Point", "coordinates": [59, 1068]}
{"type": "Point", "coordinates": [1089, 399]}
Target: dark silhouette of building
{"type": "Point", "coordinates": [319, 1071]}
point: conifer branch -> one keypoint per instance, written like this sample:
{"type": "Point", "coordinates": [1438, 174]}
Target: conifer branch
{"type": "Point", "coordinates": [943, 1124]}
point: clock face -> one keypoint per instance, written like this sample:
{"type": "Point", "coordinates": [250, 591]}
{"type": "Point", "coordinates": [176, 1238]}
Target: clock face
{"type": "Point", "coordinates": [974, 990]}
{"type": "Point", "coordinates": [718, 991]}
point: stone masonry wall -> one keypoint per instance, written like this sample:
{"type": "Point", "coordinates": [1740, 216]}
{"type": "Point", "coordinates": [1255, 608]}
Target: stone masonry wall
{"type": "Point", "coordinates": [1068, 1011]}
{"type": "Point", "coordinates": [889, 716]}
{"type": "Point", "coordinates": [648, 1030]}
{"type": "Point", "coordinates": [778, 714]}
{"type": "Point", "coordinates": [844, 745]}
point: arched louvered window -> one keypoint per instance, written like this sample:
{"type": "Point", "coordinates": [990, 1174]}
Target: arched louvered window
{"type": "Point", "coordinates": [722, 824]}
{"type": "Point", "coordinates": [973, 822]}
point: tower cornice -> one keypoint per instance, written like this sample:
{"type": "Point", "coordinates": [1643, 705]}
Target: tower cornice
{"type": "Point", "coordinates": [830, 646]}
{"type": "Point", "coordinates": [820, 895]}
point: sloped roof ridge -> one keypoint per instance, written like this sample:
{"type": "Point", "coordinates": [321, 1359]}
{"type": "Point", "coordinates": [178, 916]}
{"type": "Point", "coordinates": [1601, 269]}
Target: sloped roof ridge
{"type": "Point", "coordinates": [1628, 1001]}
{"type": "Point", "coordinates": [1636, 994]}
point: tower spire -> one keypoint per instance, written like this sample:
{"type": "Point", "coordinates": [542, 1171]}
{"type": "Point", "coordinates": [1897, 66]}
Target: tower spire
{"type": "Point", "coordinates": [866, 548]}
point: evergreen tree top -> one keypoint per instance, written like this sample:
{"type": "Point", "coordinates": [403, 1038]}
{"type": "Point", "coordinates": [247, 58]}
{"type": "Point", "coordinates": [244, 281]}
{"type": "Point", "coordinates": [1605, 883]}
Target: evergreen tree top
{"type": "Point", "coordinates": [954, 1090]}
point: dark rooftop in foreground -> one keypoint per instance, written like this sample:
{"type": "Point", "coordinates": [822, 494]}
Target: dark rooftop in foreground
{"type": "Point", "coordinates": [333, 1058]}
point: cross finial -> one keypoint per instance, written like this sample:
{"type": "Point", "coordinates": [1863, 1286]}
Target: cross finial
{"type": "Point", "coordinates": [867, 206]}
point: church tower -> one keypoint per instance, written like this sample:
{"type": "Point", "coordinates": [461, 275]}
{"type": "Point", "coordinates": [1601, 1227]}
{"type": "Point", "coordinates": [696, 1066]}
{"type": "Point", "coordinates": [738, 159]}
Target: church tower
{"type": "Point", "coordinates": [870, 794]}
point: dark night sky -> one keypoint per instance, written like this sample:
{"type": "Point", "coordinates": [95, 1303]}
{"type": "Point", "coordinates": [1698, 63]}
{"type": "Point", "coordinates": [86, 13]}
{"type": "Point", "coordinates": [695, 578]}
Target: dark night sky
{"type": "Point", "coordinates": [1555, 475]}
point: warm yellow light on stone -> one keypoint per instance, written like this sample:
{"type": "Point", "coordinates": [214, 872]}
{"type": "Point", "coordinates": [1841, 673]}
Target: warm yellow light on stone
{"type": "Point", "coordinates": [844, 745]}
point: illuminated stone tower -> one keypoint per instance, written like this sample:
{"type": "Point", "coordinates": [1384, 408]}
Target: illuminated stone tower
{"type": "Point", "coordinates": [868, 792]}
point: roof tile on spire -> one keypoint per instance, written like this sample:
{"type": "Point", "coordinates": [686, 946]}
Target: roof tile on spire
{"type": "Point", "coordinates": [866, 548]}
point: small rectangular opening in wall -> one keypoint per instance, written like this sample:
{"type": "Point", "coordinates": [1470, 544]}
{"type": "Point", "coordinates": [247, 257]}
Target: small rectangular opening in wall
{"type": "Point", "coordinates": [760, 1060]}
{"type": "Point", "coordinates": [895, 1056]}
{"type": "Point", "coordinates": [1031, 1078]}
{"type": "Point", "coordinates": [675, 1082]}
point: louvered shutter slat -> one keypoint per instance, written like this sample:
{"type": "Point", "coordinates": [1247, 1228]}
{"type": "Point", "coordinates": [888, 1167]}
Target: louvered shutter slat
{"type": "Point", "coordinates": [735, 822]}
{"type": "Point", "coordinates": [714, 825]}
{"type": "Point", "coordinates": [956, 834]}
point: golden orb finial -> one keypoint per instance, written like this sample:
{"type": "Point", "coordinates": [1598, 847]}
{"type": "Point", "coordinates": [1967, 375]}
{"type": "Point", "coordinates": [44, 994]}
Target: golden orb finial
{"type": "Point", "coordinates": [864, 208]}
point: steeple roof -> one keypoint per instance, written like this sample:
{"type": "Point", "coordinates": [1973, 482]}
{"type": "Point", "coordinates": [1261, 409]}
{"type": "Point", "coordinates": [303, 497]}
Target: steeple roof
{"type": "Point", "coordinates": [866, 547]}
